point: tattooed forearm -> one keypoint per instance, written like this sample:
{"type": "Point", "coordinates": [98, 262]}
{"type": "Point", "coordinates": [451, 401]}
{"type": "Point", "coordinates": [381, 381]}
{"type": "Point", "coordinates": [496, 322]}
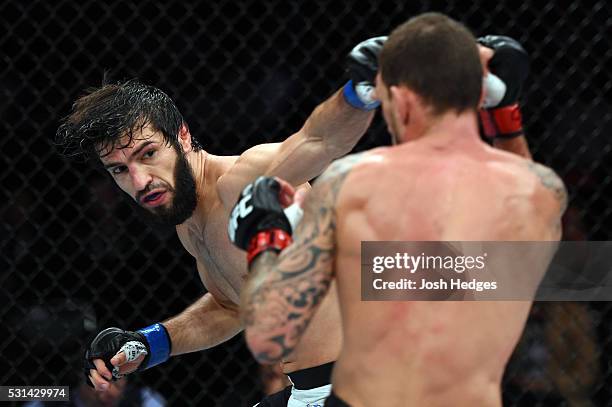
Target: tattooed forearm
{"type": "Point", "coordinates": [284, 295]}
{"type": "Point", "coordinates": [278, 312]}
{"type": "Point", "coordinates": [283, 291]}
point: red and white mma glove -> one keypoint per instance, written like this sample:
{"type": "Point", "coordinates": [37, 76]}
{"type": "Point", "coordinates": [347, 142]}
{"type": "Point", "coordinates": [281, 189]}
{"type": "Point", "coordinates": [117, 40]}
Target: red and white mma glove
{"type": "Point", "coordinates": [258, 222]}
{"type": "Point", "coordinates": [500, 115]}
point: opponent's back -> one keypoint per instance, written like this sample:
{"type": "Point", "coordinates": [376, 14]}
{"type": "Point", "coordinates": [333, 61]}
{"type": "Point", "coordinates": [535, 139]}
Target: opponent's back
{"type": "Point", "coordinates": [432, 352]}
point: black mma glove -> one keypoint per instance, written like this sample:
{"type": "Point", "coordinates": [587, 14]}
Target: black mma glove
{"type": "Point", "coordinates": [362, 66]}
{"type": "Point", "coordinates": [257, 222]}
{"type": "Point", "coordinates": [152, 341]}
{"type": "Point", "coordinates": [500, 116]}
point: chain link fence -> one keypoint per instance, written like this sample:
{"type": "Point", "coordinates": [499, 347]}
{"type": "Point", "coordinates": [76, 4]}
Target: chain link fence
{"type": "Point", "coordinates": [75, 257]}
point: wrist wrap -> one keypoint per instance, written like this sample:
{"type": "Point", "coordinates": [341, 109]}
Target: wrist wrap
{"type": "Point", "coordinates": [274, 239]}
{"type": "Point", "coordinates": [352, 98]}
{"type": "Point", "coordinates": [502, 122]}
{"type": "Point", "coordinates": [159, 343]}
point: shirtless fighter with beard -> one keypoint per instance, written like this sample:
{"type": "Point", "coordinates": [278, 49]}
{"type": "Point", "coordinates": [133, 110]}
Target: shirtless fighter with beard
{"type": "Point", "coordinates": [141, 139]}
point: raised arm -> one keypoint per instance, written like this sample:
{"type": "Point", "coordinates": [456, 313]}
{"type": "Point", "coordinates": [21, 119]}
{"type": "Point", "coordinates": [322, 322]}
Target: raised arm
{"type": "Point", "coordinates": [335, 126]}
{"type": "Point", "coordinates": [331, 131]}
{"type": "Point", "coordinates": [283, 291]}
{"type": "Point", "coordinates": [506, 67]}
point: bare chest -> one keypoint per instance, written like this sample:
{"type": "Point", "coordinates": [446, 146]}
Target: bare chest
{"type": "Point", "coordinates": [224, 265]}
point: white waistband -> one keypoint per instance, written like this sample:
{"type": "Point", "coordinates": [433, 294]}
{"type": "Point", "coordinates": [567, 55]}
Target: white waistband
{"type": "Point", "coordinates": [310, 397]}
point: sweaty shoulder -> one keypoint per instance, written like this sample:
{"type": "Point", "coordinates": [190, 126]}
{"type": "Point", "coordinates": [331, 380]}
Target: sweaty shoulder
{"type": "Point", "coordinates": [336, 187]}
{"type": "Point", "coordinates": [341, 168]}
{"type": "Point", "coordinates": [544, 188]}
{"type": "Point", "coordinates": [550, 183]}
{"type": "Point", "coordinates": [550, 189]}
{"type": "Point", "coordinates": [546, 178]}
{"type": "Point", "coordinates": [244, 169]}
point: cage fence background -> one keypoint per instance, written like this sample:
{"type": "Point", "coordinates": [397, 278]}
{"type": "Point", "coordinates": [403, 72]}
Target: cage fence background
{"type": "Point", "coordinates": [74, 254]}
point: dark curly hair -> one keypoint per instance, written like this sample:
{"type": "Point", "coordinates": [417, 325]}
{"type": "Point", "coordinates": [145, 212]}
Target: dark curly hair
{"type": "Point", "coordinates": [101, 117]}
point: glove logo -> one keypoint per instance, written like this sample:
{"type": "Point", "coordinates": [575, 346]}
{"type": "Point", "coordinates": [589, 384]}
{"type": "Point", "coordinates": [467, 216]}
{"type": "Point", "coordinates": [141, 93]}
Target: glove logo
{"type": "Point", "coordinates": [241, 210]}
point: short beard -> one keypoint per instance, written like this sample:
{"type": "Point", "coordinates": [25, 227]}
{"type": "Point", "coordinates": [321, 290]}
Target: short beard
{"type": "Point", "coordinates": [185, 196]}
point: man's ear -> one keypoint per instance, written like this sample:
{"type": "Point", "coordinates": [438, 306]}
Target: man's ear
{"type": "Point", "coordinates": [377, 85]}
{"type": "Point", "coordinates": [401, 104]}
{"type": "Point", "coordinates": [184, 137]}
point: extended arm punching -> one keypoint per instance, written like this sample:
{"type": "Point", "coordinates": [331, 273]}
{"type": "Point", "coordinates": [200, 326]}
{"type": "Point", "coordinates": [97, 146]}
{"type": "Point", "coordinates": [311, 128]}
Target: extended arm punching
{"type": "Point", "coordinates": [331, 130]}
{"type": "Point", "coordinates": [335, 126]}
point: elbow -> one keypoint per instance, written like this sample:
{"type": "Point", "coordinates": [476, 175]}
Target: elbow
{"type": "Point", "coordinates": [338, 151]}
{"type": "Point", "coordinates": [261, 348]}
{"type": "Point", "coordinates": [324, 145]}
{"type": "Point", "coordinates": [253, 341]}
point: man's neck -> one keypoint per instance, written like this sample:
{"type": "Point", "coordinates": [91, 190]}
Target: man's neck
{"type": "Point", "coordinates": [450, 128]}
{"type": "Point", "coordinates": [199, 162]}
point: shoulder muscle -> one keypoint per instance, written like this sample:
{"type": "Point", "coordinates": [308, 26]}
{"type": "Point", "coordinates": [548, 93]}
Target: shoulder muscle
{"type": "Point", "coordinates": [551, 182]}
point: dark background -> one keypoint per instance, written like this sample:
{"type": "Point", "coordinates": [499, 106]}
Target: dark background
{"type": "Point", "coordinates": [244, 73]}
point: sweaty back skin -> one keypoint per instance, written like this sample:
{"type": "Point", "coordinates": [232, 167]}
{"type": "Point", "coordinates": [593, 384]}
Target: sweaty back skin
{"type": "Point", "coordinates": [432, 353]}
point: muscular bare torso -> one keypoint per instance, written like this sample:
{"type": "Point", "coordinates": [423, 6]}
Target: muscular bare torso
{"type": "Point", "coordinates": [432, 353]}
{"type": "Point", "coordinates": [222, 267]}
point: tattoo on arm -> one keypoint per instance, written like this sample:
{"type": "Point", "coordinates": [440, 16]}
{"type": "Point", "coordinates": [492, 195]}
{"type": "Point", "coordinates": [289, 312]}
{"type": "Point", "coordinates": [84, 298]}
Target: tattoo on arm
{"type": "Point", "coordinates": [551, 181]}
{"type": "Point", "coordinates": [284, 291]}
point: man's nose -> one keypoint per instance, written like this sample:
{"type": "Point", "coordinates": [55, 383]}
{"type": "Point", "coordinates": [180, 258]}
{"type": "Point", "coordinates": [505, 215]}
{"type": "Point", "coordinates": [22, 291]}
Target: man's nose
{"type": "Point", "coordinates": [140, 178]}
